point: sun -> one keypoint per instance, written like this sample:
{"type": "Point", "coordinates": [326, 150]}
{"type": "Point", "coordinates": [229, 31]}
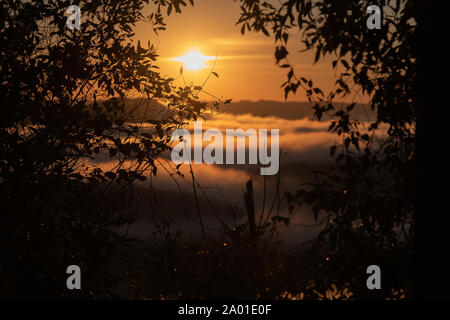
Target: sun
{"type": "Point", "coordinates": [194, 60]}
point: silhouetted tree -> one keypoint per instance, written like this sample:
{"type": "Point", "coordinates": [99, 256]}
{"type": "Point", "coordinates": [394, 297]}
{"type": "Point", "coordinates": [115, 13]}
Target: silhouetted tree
{"type": "Point", "coordinates": [62, 94]}
{"type": "Point", "coordinates": [366, 198]}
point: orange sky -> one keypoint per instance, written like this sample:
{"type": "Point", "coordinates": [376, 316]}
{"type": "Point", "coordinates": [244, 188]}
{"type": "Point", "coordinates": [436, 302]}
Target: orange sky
{"type": "Point", "coordinates": [246, 64]}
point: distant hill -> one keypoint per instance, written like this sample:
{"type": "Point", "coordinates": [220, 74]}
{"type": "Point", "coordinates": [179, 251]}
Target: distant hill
{"type": "Point", "coordinates": [262, 108]}
{"type": "Point", "coordinates": [287, 110]}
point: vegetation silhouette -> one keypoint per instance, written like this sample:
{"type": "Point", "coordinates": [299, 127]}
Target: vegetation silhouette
{"type": "Point", "coordinates": [63, 93]}
{"type": "Point", "coordinates": [64, 96]}
{"type": "Point", "coordinates": [366, 199]}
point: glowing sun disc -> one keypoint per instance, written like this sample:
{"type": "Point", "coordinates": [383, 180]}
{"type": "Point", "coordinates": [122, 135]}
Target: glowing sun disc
{"type": "Point", "coordinates": [194, 60]}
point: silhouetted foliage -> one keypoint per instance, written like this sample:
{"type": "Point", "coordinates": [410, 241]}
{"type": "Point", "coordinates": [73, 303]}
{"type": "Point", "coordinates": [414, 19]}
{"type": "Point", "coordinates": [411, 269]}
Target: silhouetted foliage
{"type": "Point", "coordinates": [62, 95]}
{"type": "Point", "coordinates": [365, 200]}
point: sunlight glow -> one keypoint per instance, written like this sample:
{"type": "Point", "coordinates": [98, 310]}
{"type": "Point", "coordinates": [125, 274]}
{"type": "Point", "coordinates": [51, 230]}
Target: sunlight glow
{"type": "Point", "coordinates": [194, 60]}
